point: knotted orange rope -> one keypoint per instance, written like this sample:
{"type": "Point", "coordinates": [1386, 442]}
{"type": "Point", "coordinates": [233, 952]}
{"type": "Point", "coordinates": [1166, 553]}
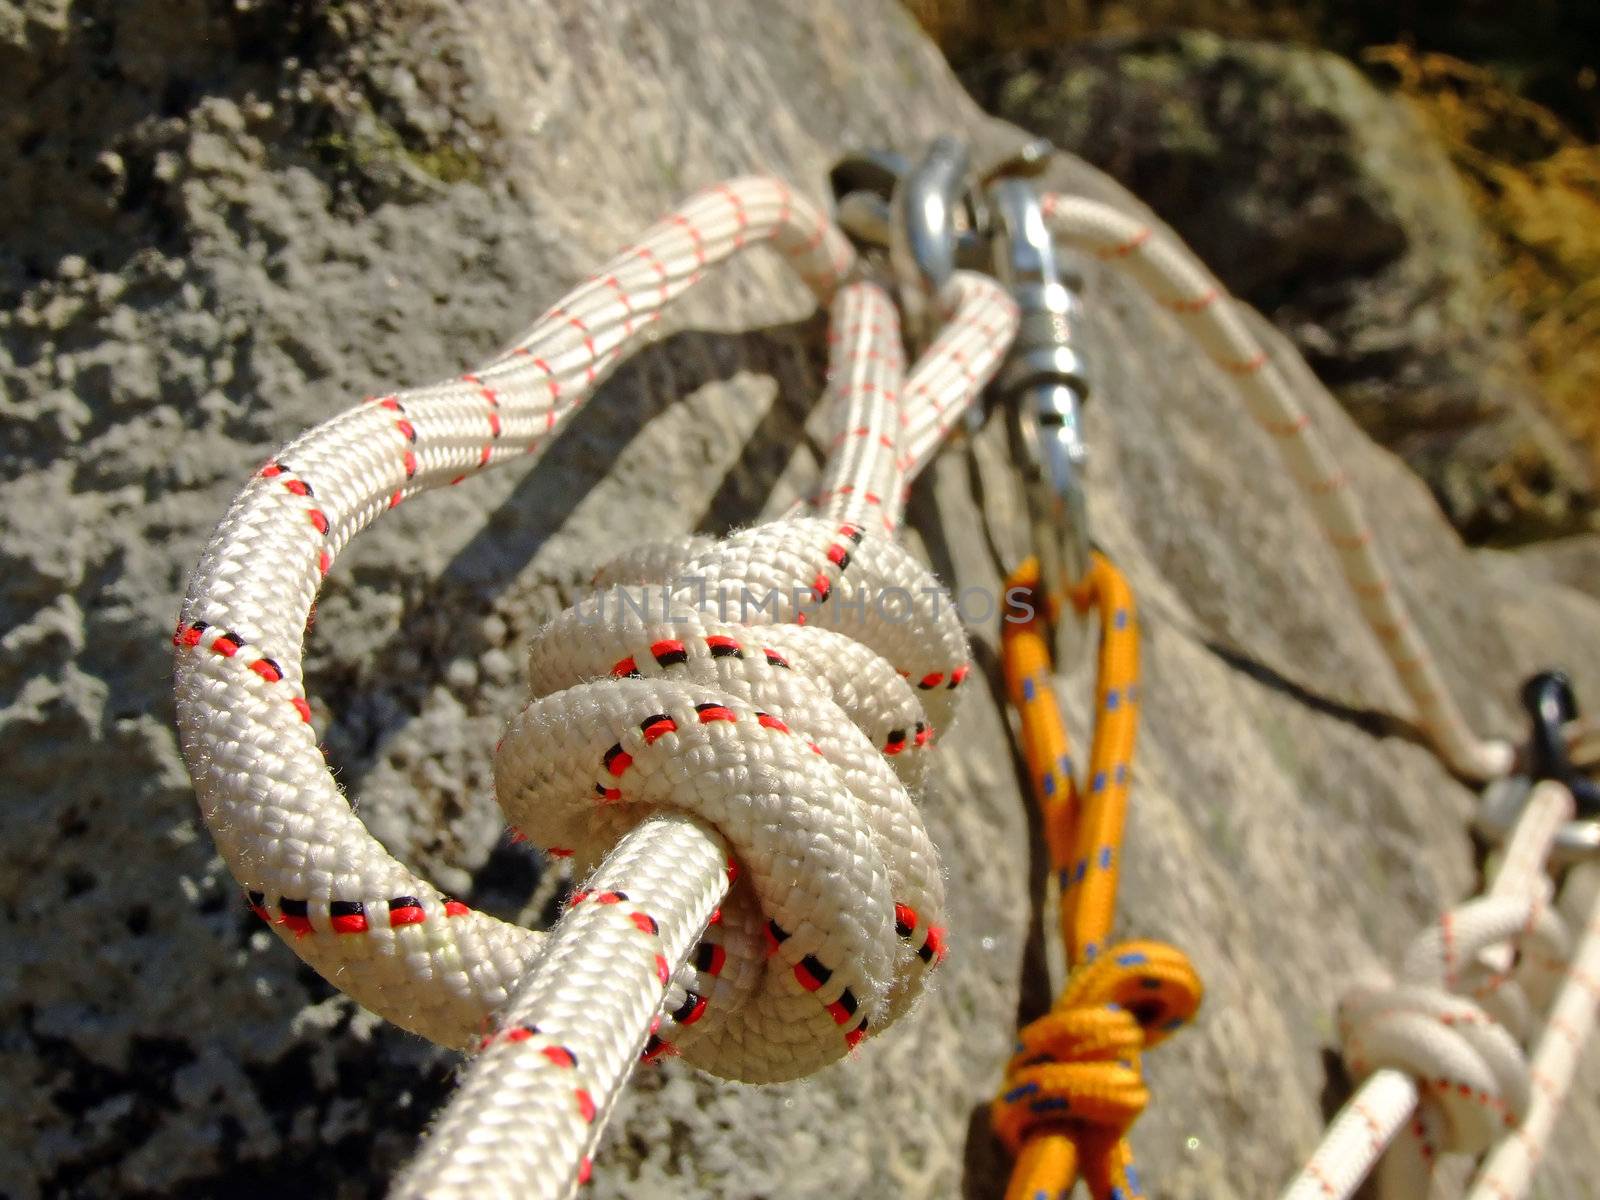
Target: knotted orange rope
{"type": "Point", "coordinates": [1073, 1088]}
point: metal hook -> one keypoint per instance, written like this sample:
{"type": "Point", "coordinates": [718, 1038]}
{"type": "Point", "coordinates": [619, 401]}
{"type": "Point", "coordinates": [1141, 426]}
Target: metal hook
{"type": "Point", "coordinates": [1028, 160]}
{"type": "Point", "coordinates": [863, 185]}
{"type": "Point", "coordinates": [874, 171]}
{"type": "Point", "coordinates": [1552, 704]}
{"type": "Point", "coordinates": [1044, 383]}
{"type": "Point", "coordinates": [932, 218]}
{"type": "Point", "coordinates": [920, 214]}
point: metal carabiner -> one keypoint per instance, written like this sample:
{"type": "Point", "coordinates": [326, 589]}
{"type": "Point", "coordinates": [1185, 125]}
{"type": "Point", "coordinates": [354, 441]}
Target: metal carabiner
{"type": "Point", "coordinates": [919, 214]}
{"type": "Point", "coordinates": [1552, 706]}
{"type": "Point", "coordinates": [1043, 383]}
{"type": "Point", "coordinates": [926, 229]}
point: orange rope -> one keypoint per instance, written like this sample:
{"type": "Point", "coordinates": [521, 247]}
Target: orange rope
{"type": "Point", "coordinates": [1073, 1088]}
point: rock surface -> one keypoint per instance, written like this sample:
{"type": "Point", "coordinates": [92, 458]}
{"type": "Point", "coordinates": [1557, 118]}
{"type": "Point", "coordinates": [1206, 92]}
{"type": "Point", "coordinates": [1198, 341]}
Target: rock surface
{"type": "Point", "coordinates": [282, 237]}
{"type": "Point", "coordinates": [1332, 207]}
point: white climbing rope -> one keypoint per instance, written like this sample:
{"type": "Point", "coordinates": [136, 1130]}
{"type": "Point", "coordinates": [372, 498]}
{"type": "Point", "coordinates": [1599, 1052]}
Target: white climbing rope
{"type": "Point", "coordinates": [1440, 1054]}
{"type": "Point", "coordinates": [1179, 282]}
{"type": "Point", "coordinates": [862, 478]}
{"type": "Point", "coordinates": [1508, 1171]}
{"type": "Point", "coordinates": [774, 733]}
{"type": "Point", "coordinates": [980, 322]}
{"type": "Point", "coordinates": [977, 324]}
{"type": "Point", "coordinates": [777, 729]}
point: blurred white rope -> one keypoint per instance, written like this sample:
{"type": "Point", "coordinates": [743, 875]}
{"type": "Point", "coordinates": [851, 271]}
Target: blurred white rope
{"type": "Point", "coordinates": [1440, 1054]}
{"type": "Point", "coordinates": [1179, 282]}
{"type": "Point", "coordinates": [1508, 1171]}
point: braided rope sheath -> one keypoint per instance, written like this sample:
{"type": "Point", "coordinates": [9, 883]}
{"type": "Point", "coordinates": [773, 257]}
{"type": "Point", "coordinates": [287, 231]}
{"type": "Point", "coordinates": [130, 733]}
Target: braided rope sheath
{"type": "Point", "coordinates": [554, 1065]}
{"type": "Point", "coordinates": [1074, 1088]}
{"type": "Point", "coordinates": [862, 479]}
{"type": "Point", "coordinates": [776, 730]}
{"type": "Point", "coordinates": [1180, 283]}
{"type": "Point", "coordinates": [1444, 1070]}
{"type": "Point", "coordinates": [979, 322]}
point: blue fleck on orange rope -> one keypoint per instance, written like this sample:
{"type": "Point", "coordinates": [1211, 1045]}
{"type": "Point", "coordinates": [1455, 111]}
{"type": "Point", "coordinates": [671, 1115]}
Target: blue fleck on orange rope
{"type": "Point", "coordinates": [1073, 1087]}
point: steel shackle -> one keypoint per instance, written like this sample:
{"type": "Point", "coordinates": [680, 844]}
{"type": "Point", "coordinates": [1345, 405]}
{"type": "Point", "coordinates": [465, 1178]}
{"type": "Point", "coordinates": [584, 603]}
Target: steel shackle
{"type": "Point", "coordinates": [1043, 384]}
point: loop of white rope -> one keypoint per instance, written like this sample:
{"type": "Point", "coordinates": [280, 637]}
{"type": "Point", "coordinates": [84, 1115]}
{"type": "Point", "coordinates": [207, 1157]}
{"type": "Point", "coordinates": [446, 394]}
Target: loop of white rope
{"type": "Point", "coordinates": [361, 918]}
{"type": "Point", "coordinates": [1440, 1054]}
{"type": "Point", "coordinates": [1179, 282]}
{"type": "Point", "coordinates": [1447, 1026]}
{"type": "Point", "coordinates": [1508, 1171]}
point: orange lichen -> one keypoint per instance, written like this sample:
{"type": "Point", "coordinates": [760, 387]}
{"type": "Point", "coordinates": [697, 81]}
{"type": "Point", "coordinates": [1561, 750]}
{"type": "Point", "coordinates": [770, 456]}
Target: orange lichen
{"type": "Point", "coordinates": [1536, 185]}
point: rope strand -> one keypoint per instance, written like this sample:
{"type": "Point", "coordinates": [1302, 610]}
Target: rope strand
{"type": "Point", "coordinates": [1166, 270]}
{"type": "Point", "coordinates": [286, 830]}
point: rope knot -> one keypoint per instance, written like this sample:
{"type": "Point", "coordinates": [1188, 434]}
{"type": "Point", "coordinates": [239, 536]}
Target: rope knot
{"type": "Point", "coordinates": [1077, 1068]}
{"type": "Point", "coordinates": [780, 685]}
{"type": "Point", "coordinates": [1454, 1020]}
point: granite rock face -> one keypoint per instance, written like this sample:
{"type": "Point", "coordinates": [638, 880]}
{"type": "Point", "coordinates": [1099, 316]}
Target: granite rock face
{"type": "Point", "coordinates": [321, 204]}
{"type": "Point", "coordinates": [1329, 205]}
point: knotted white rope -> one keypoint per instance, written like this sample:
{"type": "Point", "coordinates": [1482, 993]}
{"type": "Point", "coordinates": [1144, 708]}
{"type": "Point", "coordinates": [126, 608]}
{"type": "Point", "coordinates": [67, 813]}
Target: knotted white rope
{"type": "Point", "coordinates": [1440, 1052]}
{"type": "Point", "coordinates": [1508, 1171]}
{"type": "Point", "coordinates": [1180, 282]}
{"type": "Point", "coordinates": [778, 730]}
{"type": "Point", "coordinates": [765, 684]}
{"type": "Point", "coordinates": [771, 734]}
